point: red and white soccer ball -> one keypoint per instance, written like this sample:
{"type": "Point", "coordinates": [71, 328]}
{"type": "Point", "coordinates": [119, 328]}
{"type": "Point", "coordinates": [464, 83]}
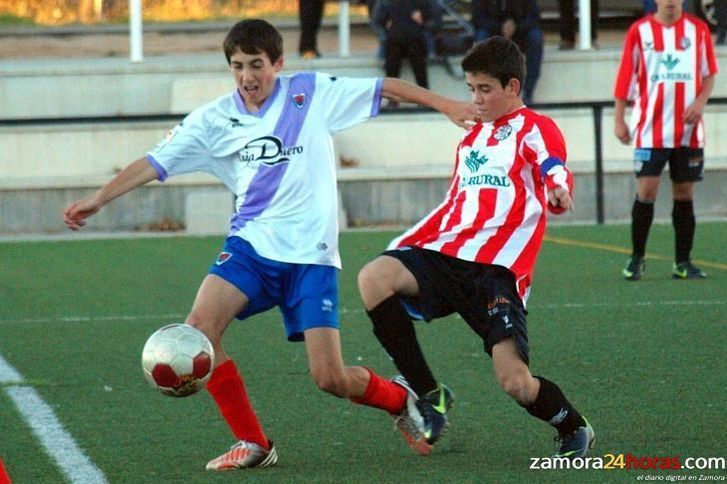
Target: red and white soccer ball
{"type": "Point", "coordinates": [178, 360]}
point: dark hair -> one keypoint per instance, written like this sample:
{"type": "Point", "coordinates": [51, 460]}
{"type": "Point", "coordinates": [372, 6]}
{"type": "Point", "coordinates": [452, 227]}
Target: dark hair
{"type": "Point", "coordinates": [497, 57]}
{"type": "Point", "coordinates": [254, 36]}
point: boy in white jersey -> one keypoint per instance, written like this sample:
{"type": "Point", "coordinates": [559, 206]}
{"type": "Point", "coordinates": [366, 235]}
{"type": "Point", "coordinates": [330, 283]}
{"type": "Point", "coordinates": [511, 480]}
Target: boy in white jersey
{"type": "Point", "coordinates": [474, 253]}
{"type": "Point", "coordinates": [667, 69]}
{"type": "Point", "coordinates": [269, 143]}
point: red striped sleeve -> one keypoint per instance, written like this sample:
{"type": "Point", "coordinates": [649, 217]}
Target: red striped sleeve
{"type": "Point", "coordinates": [629, 62]}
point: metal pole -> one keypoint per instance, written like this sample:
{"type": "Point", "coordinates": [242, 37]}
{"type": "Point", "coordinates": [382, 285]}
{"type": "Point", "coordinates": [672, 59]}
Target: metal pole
{"type": "Point", "coordinates": [344, 24]}
{"type": "Point", "coordinates": [597, 122]}
{"type": "Point", "coordinates": [136, 34]}
{"type": "Point", "coordinates": [584, 24]}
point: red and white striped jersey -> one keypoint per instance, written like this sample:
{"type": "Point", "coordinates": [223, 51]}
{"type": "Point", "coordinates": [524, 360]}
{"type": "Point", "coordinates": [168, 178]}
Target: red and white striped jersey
{"type": "Point", "coordinates": [494, 210]}
{"type": "Point", "coordinates": [662, 71]}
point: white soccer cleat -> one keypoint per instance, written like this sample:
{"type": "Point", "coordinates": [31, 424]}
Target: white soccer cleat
{"type": "Point", "coordinates": [243, 455]}
{"type": "Point", "coordinates": [410, 421]}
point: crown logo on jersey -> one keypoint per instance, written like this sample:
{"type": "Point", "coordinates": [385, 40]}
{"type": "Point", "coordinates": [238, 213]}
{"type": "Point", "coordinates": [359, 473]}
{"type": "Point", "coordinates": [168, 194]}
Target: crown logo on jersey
{"type": "Point", "coordinates": [299, 100]}
{"type": "Point", "coordinates": [474, 161]}
{"type": "Point", "coordinates": [503, 132]}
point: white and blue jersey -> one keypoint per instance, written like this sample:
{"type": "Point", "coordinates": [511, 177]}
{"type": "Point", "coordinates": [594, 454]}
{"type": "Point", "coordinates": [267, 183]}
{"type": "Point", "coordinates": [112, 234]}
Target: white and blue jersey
{"type": "Point", "coordinates": [279, 162]}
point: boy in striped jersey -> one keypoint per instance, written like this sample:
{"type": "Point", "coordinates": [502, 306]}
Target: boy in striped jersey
{"type": "Point", "coordinates": [667, 70]}
{"type": "Point", "coordinates": [474, 254]}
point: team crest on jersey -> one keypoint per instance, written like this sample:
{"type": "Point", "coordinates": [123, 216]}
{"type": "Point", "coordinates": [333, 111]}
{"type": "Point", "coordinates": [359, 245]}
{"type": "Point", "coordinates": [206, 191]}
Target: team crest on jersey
{"type": "Point", "coordinates": [685, 43]}
{"type": "Point", "coordinates": [503, 132]}
{"type": "Point", "coordinates": [299, 100]}
{"type": "Point", "coordinates": [222, 258]}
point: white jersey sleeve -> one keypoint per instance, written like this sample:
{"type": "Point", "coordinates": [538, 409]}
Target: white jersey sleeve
{"type": "Point", "coordinates": [348, 100]}
{"type": "Point", "coordinates": [185, 149]}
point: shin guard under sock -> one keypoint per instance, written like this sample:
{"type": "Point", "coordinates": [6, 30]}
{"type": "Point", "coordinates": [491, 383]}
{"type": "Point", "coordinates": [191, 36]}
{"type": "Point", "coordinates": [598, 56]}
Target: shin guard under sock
{"type": "Point", "coordinates": [395, 331]}
{"type": "Point", "coordinates": [682, 217]}
{"type": "Point", "coordinates": [551, 406]}
{"type": "Point", "coordinates": [228, 391]}
{"type": "Point", "coordinates": [383, 394]}
{"type": "Point", "coordinates": [642, 215]}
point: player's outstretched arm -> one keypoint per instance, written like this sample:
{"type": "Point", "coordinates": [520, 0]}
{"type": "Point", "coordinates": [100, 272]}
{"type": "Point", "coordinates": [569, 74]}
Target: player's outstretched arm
{"type": "Point", "coordinates": [136, 174]}
{"type": "Point", "coordinates": [459, 112]}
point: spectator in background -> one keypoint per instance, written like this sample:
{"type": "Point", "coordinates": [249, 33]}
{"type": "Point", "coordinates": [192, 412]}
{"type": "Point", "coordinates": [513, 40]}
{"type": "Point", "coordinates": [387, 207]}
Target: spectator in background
{"type": "Point", "coordinates": [687, 6]}
{"type": "Point", "coordinates": [406, 23]}
{"type": "Point", "coordinates": [519, 21]}
{"type": "Point", "coordinates": [568, 24]}
{"type": "Point", "coordinates": [377, 29]}
{"type": "Point", "coordinates": [310, 14]}
{"type": "Point", "coordinates": [720, 12]}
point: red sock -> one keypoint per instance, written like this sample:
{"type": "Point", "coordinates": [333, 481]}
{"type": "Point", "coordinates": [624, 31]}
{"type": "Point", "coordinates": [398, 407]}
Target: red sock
{"type": "Point", "coordinates": [4, 477]}
{"type": "Point", "coordinates": [383, 394]}
{"type": "Point", "coordinates": [228, 391]}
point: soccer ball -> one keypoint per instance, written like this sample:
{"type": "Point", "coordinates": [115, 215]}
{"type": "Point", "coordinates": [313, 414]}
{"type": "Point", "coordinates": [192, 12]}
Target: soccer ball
{"type": "Point", "coordinates": [178, 360]}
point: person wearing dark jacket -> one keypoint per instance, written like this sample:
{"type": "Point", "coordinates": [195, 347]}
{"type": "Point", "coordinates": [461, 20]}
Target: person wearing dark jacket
{"type": "Point", "coordinates": [406, 23]}
{"type": "Point", "coordinates": [519, 21]}
{"type": "Point", "coordinates": [720, 13]}
{"type": "Point", "coordinates": [310, 15]}
{"type": "Point", "coordinates": [569, 25]}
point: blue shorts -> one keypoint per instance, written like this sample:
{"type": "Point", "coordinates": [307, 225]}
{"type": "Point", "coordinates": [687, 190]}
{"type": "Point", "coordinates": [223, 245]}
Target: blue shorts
{"type": "Point", "coordinates": [307, 294]}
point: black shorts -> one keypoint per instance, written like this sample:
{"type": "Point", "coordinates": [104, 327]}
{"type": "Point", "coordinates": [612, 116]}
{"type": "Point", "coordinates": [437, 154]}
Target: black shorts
{"type": "Point", "coordinates": [483, 294]}
{"type": "Point", "coordinates": [685, 164]}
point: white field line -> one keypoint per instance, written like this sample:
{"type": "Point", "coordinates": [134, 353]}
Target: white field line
{"type": "Point", "coordinates": [168, 318]}
{"type": "Point", "coordinates": [58, 443]}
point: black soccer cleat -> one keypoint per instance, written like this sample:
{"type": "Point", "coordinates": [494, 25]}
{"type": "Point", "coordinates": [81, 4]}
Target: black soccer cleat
{"type": "Point", "coordinates": [634, 269]}
{"type": "Point", "coordinates": [433, 407]}
{"type": "Point", "coordinates": [576, 444]}
{"type": "Point", "coordinates": [687, 270]}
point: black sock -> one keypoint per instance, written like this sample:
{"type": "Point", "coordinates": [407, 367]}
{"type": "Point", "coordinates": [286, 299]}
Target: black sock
{"type": "Point", "coordinates": [682, 217]}
{"type": "Point", "coordinates": [551, 406]}
{"type": "Point", "coordinates": [395, 331]}
{"type": "Point", "coordinates": [642, 214]}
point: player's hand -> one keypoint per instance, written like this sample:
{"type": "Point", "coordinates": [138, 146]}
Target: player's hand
{"type": "Point", "coordinates": [462, 114]}
{"type": "Point", "coordinates": [693, 113]}
{"type": "Point", "coordinates": [75, 215]}
{"type": "Point", "coordinates": [622, 131]}
{"type": "Point", "coordinates": [559, 200]}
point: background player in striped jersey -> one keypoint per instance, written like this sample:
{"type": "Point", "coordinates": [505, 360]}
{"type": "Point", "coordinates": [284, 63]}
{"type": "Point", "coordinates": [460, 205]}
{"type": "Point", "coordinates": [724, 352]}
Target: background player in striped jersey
{"type": "Point", "coordinates": [269, 142]}
{"type": "Point", "coordinates": [474, 254]}
{"type": "Point", "coordinates": [667, 70]}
